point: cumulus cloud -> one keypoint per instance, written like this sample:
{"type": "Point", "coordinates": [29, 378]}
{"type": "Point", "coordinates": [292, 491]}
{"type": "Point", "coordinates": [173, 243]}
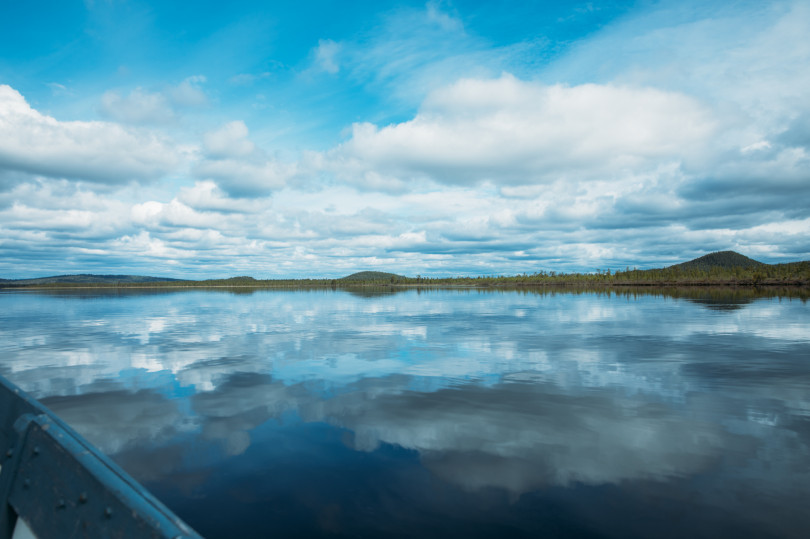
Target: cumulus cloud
{"type": "Point", "coordinates": [645, 155]}
{"type": "Point", "coordinates": [515, 132]}
{"type": "Point", "coordinates": [242, 178]}
{"type": "Point", "coordinates": [207, 196]}
{"type": "Point", "coordinates": [230, 140]}
{"type": "Point", "coordinates": [755, 63]}
{"type": "Point", "coordinates": [189, 93]}
{"type": "Point", "coordinates": [588, 168]}
{"type": "Point", "coordinates": [98, 152]}
{"type": "Point", "coordinates": [139, 107]}
{"type": "Point", "coordinates": [143, 107]}
{"type": "Point", "coordinates": [153, 214]}
{"type": "Point", "coordinates": [203, 207]}
{"type": "Point", "coordinates": [238, 167]}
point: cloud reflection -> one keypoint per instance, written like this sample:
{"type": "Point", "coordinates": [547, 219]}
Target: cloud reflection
{"type": "Point", "coordinates": [520, 393]}
{"type": "Point", "coordinates": [116, 420]}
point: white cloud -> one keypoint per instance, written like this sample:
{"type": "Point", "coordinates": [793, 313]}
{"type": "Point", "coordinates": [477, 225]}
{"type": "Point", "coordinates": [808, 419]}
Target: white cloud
{"type": "Point", "coordinates": [326, 56]}
{"type": "Point", "coordinates": [514, 132]}
{"type": "Point", "coordinates": [189, 92]}
{"type": "Point", "coordinates": [139, 107]}
{"type": "Point", "coordinates": [750, 59]}
{"type": "Point", "coordinates": [59, 89]}
{"type": "Point", "coordinates": [650, 147]}
{"type": "Point", "coordinates": [144, 107]}
{"type": "Point", "coordinates": [143, 244]}
{"type": "Point", "coordinates": [74, 221]}
{"type": "Point", "coordinates": [238, 167]}
{"type": "Point", "coordinates": [207, 196]}
{"type": "Point", "coordinates": [230, 140]}
{"type": "Point", "coordinates": [445, 21]}
{"type": "Point", "coordinates": [247, 178]}
{"type": "Point", "coordinates": [94, 151]}
{"type": "Point", "coordinates": [153, 214]}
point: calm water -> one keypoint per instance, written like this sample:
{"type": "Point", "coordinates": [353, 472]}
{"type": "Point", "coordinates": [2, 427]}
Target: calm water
{"type": "Point", "coordinates": [437, 413]}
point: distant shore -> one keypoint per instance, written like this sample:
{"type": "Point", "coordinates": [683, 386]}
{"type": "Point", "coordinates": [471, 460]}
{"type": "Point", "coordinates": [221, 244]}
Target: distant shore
{"type": "Point", "coordinates": [723, 269]}
{"type": "Point", "coordinates": [504, 283]}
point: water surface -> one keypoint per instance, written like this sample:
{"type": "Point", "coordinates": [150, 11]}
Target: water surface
{"type": "Point", "coordinates": [439, 412]}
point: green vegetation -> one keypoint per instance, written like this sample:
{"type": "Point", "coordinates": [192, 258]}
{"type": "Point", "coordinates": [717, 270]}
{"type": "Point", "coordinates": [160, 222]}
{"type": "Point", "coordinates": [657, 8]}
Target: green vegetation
{"type": "Point", "coordinates": [86, 278]}
{"type": "Point", "coordinates": [720, 259]}
{"type": "Point", "coordinates": [725, 268]}
{"type": "Point", "coordinates": [375, 277]}
{"type": "Point", "coordinates": [793, 274]}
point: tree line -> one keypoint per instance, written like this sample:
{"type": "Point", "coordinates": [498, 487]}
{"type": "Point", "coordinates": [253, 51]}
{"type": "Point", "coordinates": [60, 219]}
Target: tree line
{"type": "Point", "coordinates": [790, 274]}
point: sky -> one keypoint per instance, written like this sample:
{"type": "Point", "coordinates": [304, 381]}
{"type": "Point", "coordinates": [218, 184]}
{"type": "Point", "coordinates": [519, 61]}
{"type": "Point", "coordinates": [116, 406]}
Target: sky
{"type": "Point", "coordinates": [315, 139]}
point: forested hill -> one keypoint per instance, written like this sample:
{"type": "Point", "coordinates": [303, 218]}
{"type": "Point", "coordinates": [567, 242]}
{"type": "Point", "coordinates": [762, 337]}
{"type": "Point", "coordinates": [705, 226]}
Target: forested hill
{"type": "Point", "coordinates": [87, 278]}
{"type": "Point", "coordinates": [378, 276]}
{"type": "Point", "coordinates": [719, 268]}
{"type": "Point", "coordinates": [720, 259]}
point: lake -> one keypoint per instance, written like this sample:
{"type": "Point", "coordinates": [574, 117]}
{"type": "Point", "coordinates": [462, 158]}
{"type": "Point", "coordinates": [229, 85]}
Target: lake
{"type": "Point", "coordinates": [436, 413]}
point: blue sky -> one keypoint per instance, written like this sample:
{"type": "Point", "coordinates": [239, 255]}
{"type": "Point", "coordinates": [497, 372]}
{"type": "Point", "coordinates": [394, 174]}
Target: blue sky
{"type": "Point", "coordinates": [441, 138]}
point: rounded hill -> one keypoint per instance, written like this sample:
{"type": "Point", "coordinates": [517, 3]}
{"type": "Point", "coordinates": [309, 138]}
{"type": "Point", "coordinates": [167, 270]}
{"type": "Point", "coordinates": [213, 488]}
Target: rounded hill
{"type": "Point", "coordinates": [720, 259]}
{"type": "Point", "coordinates": [367, 276]}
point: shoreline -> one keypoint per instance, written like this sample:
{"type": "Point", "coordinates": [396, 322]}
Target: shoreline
{"type": "Point", "coordinates": [447, 285]}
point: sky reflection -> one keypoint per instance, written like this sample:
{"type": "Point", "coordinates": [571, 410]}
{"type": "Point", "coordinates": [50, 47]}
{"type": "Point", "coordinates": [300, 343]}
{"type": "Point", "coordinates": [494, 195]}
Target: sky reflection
{"type": "Point", "coordinates": [540, 398]}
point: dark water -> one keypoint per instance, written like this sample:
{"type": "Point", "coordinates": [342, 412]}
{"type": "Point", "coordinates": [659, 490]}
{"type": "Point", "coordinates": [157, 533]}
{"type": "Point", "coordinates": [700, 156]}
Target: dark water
{"type": "Point", "coordinates": [437, 413]}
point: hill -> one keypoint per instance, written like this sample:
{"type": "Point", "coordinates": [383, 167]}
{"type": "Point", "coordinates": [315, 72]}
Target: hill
{"type": "Point", "coordinates": [718, 268]}
{"type": "Point", "coordinates": [243, 280]}
{"type": "Point", "coordinates": [87, 278]}
{"type": "Point", "coordinates": [366, 276]}
{"type": "Point", "coordinates": [720, 259]}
